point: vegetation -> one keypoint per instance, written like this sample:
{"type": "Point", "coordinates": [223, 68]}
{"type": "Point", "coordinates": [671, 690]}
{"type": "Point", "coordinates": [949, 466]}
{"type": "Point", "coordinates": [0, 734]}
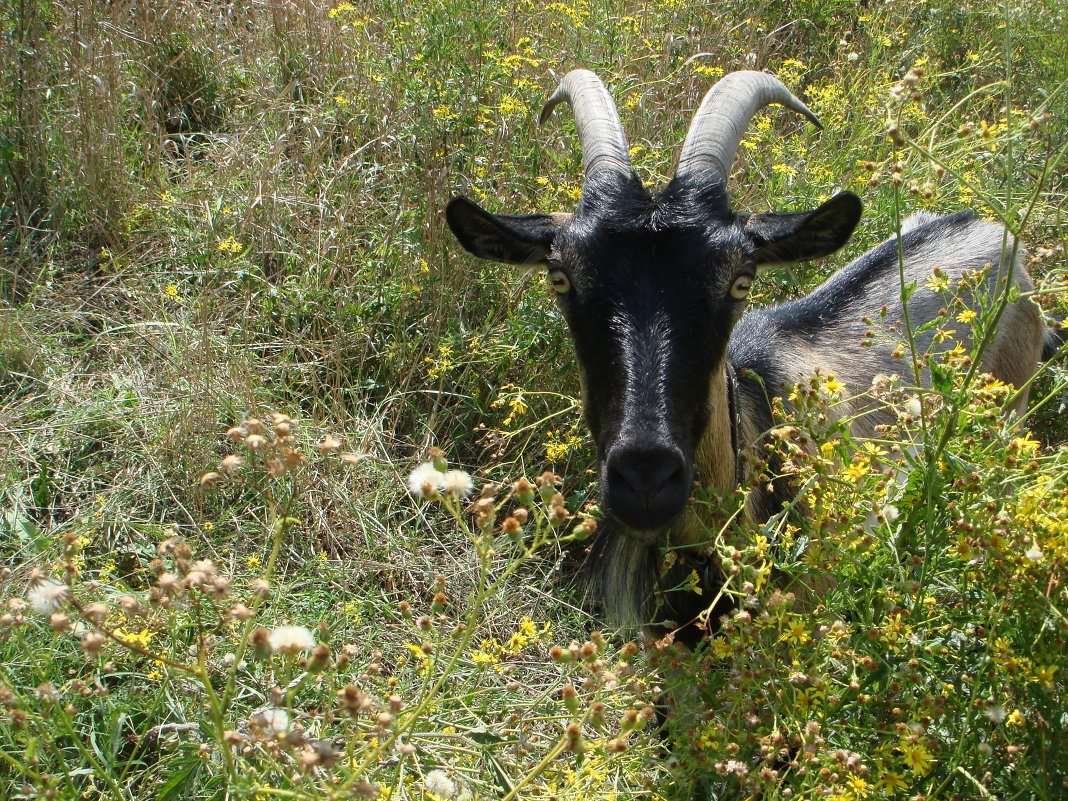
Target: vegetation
{"type": "Point", "coordinates": [232, 324]}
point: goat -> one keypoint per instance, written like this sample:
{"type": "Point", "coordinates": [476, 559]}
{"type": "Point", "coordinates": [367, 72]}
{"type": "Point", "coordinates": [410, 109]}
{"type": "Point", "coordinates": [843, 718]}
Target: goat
{"type": "Point", "coordinates": [676, 375]}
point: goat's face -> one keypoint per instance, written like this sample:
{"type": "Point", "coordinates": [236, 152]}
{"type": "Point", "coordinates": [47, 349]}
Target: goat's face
{"type": "Point", "coordinates": [650, 288]}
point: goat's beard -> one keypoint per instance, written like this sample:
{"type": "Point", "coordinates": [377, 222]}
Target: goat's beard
{"type": "Point", "coordinates": [628, 575]}
{"type": "Point", "coordinates": [622, 571]}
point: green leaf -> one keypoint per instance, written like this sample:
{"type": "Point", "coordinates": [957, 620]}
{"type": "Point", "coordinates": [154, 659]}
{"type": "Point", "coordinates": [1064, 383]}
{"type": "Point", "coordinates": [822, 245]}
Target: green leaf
{"type": "Point", "coordinates": [176, 784]}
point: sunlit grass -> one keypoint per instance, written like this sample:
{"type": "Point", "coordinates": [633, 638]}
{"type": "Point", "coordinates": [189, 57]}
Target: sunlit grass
{"type": "Point", "coordinates": [213, 213]}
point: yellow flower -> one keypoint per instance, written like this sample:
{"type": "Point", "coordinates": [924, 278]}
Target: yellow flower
{"type": "Point", "coordinates": [1044, 674]}
{"type": "Point", "coordinates": [917, 758]}
{"type": "Point", "coordinates": [253, 562]}
{"type": "Point", "coordinates": [857, 471]}
{"type": "Point", "coordinates": [834, 385]}
{"type": "Point", "coordinates": [230, 245]}
{"type": "Point", "coordinates": [966, 316]}
{"type": "Point", "coordinates": [892, 782]}
{"type": "Point", "coordinates": [141, 639]}
{"type": "Point", "coordinates": [1025, 443]}
{"type": "Point", "coordinates": [508, 106]}
{"type": "Point", "coordinates": [796, 633]}
{"type": "Point", "coordinates": [1015, 718]}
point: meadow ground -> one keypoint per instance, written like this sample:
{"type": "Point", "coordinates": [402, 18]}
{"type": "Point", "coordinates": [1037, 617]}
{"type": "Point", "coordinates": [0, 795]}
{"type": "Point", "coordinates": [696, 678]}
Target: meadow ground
{"type": "Point", "coordinates": [228, 217]}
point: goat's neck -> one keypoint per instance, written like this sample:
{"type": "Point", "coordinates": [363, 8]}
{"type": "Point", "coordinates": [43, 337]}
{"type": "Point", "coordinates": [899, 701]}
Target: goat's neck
{"type": "Point", "coordinates": [715, 459]}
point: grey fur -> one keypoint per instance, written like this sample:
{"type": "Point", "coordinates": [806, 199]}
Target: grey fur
{"type": "Point", "coordinates": [786, 344]}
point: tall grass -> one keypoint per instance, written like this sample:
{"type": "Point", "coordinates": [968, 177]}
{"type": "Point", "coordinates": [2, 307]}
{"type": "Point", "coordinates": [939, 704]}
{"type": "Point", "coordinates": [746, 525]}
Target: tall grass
{"type": "Point", "coordinates": [211, 212]}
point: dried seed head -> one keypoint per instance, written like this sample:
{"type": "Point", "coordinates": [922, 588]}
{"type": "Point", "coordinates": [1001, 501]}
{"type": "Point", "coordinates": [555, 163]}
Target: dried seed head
{"type": "Point", "coordinates": [547, 482]}
{"type": "Point", "coordinates": [255, 441]}
{"type": "Point", "coordinates": [293, 458]}
{"type": "Point", "coordinates": [255, 426]}
{"type": "Point", "coordinates": [291, 639]}
{"type": "Point", "coordinates": [438, 460]}
{"type": "Point", "coordinates": [92, 642]}
{"type": "Point", "coordinates": [457, 483]}
{"type": "Point", "coordinates": [523, 491]}
{"type": "Point", "coordinates": [570, 697]}
{"type": "Point", "coordinates": [236, 434]}
{"type": "Point", "coordinates": [425, 481]}
{"type": "Point", "coordinates": [261, 590]}
{"type": "Point", "coordinates": [330, 444]}
{"type": "Point", "coordinates": [209, 480]}
{"type": "Point", "coordinates": [573, 739]}
{"type": "Point", "coordinates": [319, 659]}
{"type": "Point", "coordinates": [96, 613]}
{"type": "Point", "coordinates": [131, 606]}
{"type": "Point", "coordinates": [231, 464]}
{"type": "Point", "coordinates": [260, 640]}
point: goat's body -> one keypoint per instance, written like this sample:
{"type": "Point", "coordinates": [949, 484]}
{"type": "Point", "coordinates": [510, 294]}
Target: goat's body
{"type": "Point", "coordinates": [774, 348]}
{"type": "Point", "coordinates": [677, 377]}
{"type": "Point", "coordinates": [823, 330]}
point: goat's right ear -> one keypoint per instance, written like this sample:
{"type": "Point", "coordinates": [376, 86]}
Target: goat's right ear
{"type": "Point", "coordinates": [511, 238]}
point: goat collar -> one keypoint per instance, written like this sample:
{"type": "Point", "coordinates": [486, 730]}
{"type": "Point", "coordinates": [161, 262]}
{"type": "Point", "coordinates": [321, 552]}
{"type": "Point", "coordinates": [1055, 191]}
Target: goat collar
{"type": "Point", "coordinates": [732, 413]}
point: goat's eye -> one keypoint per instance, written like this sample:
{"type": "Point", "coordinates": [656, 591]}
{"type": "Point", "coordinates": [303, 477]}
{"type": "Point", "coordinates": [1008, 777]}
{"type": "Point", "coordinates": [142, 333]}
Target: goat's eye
{"type": "Point", "coordinates": [740, 287]}
{"type": "Point", "coordinates": [559, 281]}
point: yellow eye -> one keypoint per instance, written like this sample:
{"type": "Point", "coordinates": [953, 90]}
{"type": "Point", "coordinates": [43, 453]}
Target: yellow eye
{"type": "Point", "coordinates": [740, 287]}
{"type": "Point", "coordinates": [559, 281]}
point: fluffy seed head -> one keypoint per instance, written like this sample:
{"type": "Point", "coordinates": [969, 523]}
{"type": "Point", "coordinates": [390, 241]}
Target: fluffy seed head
{"type": "Point", "coordinates": [330, 444]}
{"type": "Point", "coordinates": [438, 783]}
{"type": "Point", "coordinates": [47, 596]}
{"type": "Point", "coordinates": [291, 639]}
{"type": "Point", "coordinates": [457, 483]}
{"type": "Point", "coordinates": [426, 481]}
{"type": "Point", "coordinates": [231, 464]}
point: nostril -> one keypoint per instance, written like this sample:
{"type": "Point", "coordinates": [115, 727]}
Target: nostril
{"type": "Point", "coordinates": [647, 470]}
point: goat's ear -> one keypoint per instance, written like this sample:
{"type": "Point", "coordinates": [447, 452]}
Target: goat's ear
{"type": "Point", "coordinates": [788, 238]}
{"type": "Point", "coordinates": [511, 238]}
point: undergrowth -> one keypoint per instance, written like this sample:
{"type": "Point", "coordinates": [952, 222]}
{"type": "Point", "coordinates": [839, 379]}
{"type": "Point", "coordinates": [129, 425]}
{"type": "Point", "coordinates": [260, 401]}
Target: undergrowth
{"type": "Point", "coordinates": [209, 213]}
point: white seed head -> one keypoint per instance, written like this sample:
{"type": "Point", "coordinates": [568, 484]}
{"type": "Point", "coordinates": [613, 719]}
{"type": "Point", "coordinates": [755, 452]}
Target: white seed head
{"type": "Point", "coordinates": [425, 481]}
{"type": "Point", "coordinates": [438, 783]}
{"type": "Point", "coordinates": [274, 722]}
{"type": "Point", "coordinates": [291, 639]}
{"type": "Point", "coordinates": [47, 596]}
{"type": "Point", "coordinates": [457, 483]}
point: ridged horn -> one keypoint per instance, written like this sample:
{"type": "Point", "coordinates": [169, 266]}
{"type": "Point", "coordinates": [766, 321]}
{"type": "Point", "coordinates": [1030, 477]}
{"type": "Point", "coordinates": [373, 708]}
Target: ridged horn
{"type": "Point", "coordinates": [721, 121]}
{"type": "Point", "coordinates": [604, 145]}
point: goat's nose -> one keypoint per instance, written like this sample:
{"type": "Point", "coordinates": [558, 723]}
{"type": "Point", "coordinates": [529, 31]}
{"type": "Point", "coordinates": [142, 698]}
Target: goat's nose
{"type": "Point", "coordinates": [646, 485]}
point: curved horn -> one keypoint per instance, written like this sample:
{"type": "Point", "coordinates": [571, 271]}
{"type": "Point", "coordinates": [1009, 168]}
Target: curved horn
{"type": "Point", "coordinates": [720, 122]}
{"type": "Point", "coordinates": [604, 145]}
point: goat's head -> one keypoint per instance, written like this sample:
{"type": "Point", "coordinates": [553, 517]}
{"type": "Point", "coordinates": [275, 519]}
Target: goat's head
{"type": "Point", "coordinates": [651, 285]}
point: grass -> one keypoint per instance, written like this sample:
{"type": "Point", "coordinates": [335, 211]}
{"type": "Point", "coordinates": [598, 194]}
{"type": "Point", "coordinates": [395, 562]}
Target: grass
{"type": "Point", "coordinates": [211, 214]}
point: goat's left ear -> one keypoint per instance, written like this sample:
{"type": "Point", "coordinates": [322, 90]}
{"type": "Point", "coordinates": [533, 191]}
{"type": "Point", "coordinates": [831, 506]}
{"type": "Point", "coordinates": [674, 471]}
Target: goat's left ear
{"type": "Point", "coordinates": [789, 238]}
